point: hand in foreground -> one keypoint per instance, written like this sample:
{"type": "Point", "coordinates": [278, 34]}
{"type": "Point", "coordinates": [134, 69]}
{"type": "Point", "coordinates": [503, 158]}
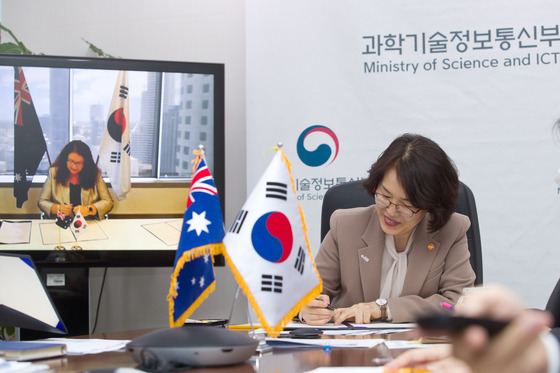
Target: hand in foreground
{"type": "Point", "coordinates": [437, 359]}
{"type": "Point", "coordinates": [516, 349]}
{"type": "Point", "coordinates": [360, 313]}
{"type": "Point", "coordinates": [316, 312]}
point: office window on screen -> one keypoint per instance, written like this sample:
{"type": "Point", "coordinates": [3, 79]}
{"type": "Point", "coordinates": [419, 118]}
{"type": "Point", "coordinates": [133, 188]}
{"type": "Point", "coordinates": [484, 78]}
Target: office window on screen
{"type": "Point", "coordinates": [74, 103]}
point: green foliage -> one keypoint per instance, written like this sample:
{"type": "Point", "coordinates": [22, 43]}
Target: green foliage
{"type": "Point", "coordinates": [17, 47]}
{"type": "Point", "coordinates": [97, 50]}
{"type": "Point", "coordinates": [13, 48]}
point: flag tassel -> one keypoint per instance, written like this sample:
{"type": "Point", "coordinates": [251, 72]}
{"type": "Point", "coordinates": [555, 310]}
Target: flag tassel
{"type": "Point", "coordinates": [188, 256]}
{"type": "Point", "coordinates": [183, 318]}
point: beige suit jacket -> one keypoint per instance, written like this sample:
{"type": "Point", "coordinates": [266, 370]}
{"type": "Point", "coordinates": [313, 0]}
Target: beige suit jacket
{"type": "Point", "coordinates": [54, 192]}
{"type": "Point", "coordinates": [349, 262]}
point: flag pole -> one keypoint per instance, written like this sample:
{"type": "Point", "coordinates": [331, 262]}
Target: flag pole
{"type": "Point", "coordinates": [233, 306]}
{"type": "Point", "coordinates": [76, 246]}
{"type": "Point", "coordinates": [59, 246]}
{"type": "Point", "coordinates": [48, 157]}
{"type": "Point", "coordinates": [262, 346]}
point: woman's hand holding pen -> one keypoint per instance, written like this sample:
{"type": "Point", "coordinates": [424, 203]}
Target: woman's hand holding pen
{"type": "Point", "coordinates": [318, 311]}
{"type": "Point", "coordinates": [62, 207]}
{"type": "Point", "coordinates": [85, 210]}
{"type": "Point", "coordinates": [361, 313]}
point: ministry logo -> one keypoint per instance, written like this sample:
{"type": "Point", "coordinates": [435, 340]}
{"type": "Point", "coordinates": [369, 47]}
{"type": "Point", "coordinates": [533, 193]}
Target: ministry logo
{"type": "Point", "coordinates": [322, 153]}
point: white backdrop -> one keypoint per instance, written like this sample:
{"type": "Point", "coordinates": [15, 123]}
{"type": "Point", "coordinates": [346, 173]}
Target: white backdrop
{"type": "Point", "coordinates": [319, 63]}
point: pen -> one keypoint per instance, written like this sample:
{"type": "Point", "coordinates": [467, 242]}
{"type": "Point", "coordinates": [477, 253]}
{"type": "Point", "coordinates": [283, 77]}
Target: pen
{"type": "Point", "coordinates": [448, 306]}
{"type": "Point", "coordinates": [329, 307]}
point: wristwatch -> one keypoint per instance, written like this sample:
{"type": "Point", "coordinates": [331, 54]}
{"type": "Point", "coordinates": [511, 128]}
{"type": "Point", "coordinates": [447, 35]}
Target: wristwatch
{"type": "Point", "coordinates": [382, 303]}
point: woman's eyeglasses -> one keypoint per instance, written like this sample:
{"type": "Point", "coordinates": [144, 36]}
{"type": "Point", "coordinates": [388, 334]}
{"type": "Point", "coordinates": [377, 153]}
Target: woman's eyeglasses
{"type": "Point", "coordinates": [404, 211]}
{"type": "Point", "coordinates": [75, 163]}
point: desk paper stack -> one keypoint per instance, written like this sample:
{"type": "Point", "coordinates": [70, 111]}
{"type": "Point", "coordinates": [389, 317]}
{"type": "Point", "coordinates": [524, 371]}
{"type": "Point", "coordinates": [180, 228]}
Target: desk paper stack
{"type": "Point", "coordinates": [14, 232]}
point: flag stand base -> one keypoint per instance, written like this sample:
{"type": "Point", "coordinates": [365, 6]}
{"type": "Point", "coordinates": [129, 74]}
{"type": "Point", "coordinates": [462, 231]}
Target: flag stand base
{"type": "Point", "coordinates": [59, 247]}
{"type": "Point", "coordinates": [77, 247]}
{"type": "Point", "coordinates": [262, 347]}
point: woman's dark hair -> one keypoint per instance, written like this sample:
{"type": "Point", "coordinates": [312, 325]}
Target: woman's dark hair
{"type": "Point", "coordinates": [427, 175]}
{"type": "Point", "coordinates": [90, 172]}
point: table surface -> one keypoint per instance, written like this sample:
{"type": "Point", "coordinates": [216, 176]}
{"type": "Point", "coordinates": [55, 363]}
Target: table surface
{"type": "Point", "coordinates": [141, 234]}
{"type": "Point", "coordinates": [282, 361]}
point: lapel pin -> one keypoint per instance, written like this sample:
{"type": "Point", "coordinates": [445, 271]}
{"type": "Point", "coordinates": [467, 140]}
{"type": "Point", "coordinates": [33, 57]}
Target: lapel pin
{"type": "Point", "coordinates": [365, 258]}
{"type": "Point", "coordinates": [431, 246]}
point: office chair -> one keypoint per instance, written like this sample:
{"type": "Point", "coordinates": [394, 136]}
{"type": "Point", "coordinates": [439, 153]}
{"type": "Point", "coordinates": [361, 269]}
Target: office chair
{"type": "Point", "coordinates": [352, 194]}
{"type": "Point", "coordinates": [553, 304]}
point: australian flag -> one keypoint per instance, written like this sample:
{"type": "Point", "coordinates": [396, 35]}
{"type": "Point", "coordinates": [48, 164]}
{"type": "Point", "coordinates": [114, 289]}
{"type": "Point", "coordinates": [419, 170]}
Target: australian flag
{"type": "Point", "coordinates": [29, 143]}
{"type": "Point", "coordinates": [62, 220]}
{"type": "Point", "coordinates": [201, 236]}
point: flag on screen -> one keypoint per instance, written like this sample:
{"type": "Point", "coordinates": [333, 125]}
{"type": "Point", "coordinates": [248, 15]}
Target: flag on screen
{"type": "Point", "coordinates": [62, 220]}
{"type": "Point", "coordinates": [29, 143]}
{"type": "Point", "coordinates": [114, 151]}
{"type": "Point", "coordinates": [268, 252]}
{"type": "Point", "coordinates": [78, 225]}
{"type": "Point", "coordinates": [201, 237]}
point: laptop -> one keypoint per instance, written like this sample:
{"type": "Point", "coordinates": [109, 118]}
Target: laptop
{"type": "Point", "coordinates": [24, 299]}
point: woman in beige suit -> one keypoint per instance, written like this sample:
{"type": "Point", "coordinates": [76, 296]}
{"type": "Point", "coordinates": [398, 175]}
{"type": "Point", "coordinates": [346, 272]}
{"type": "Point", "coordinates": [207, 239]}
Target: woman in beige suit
{"type": "Point", "coordinates": [402, 256]}
{"type": "Point", "coordinates": [75, 184]}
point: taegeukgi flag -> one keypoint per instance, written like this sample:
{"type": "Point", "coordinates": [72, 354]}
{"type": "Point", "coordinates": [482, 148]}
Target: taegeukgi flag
{"type": "Point", "coordinates": [114, 151]}
{"type": "Point", "coordinates": [79, 225]}
{"type": "Point", "coordinates": [201, 237]}
{"type": "Point", "coordinates": [268, 251]}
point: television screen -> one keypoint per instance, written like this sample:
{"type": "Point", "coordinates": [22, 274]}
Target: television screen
{"type": "Point", "coordinates": [174, 108]}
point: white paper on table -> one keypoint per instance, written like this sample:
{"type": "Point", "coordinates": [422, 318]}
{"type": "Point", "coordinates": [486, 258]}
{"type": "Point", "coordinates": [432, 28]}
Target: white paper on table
{"type": "Point", "coordinates": [406, 344]}
{"type": "Point", "coordinates": [367, 331]}
{"type": "Point", "coordinates": [341, 343]}
{"type": "Point", "coordinates": [14, 232]}
{"type": "Point", "coordinates": [89, 346]}
{"type": "Point", "coordinates": [373, 325]}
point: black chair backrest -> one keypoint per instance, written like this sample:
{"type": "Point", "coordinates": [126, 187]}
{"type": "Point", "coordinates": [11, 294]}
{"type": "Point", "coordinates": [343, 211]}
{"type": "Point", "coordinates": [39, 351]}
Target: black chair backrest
{"type": "Point", "coordinates": [352, 194]}
{"type": "Point", "coordinates": [553, 304]}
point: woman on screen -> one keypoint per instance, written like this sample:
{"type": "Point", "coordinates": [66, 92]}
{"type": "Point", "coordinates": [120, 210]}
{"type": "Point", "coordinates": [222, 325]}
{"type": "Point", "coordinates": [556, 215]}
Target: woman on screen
{"type": "Point", "coordinates": [75, 184]}
{"type": "Point", "coordinates": [404, 255]}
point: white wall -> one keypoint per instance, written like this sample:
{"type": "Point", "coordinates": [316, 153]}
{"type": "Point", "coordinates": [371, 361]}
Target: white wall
{"type": "Point", "coordinates": [176, 30]}
{"type": "Point", "coordinates": [495, 123]}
